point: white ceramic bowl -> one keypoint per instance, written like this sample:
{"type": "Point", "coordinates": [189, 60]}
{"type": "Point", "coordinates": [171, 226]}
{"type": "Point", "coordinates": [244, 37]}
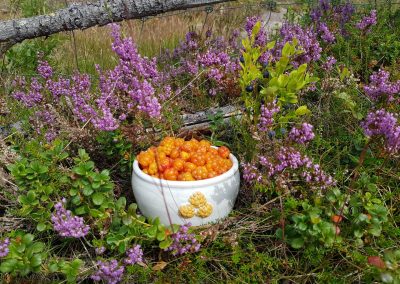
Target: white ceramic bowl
{"type": "Point", "coordinates": [163, 198]}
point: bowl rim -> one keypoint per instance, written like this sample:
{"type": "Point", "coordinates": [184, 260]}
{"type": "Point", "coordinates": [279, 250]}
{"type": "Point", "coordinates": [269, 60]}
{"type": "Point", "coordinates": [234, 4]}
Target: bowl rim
{"type": "Point", "coordinates": [187, 184]}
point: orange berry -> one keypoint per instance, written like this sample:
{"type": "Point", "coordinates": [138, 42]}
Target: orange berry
{"type": "Point", "coordinates": [168, 149]}
{"type": "Point", "coordinates": [186, 146]}
{"type": "Point", "coordinates": [198, 159]}
{"type": "Point", "coordinates": [160, 154]}
{"type": "Point", "coordinates": [209, 157]}
{"type": "Point", "coordinates": [337, 218]}
{"type": "Point", "coordinates": [171, 174]}
{"type": "Point", "coordinates": [189, 167]}
{"type": "Point", "coordinates": [144, 159]}
{"type": "Point", "coordinates": [175, 153]}
{"type": "Point", "coordinates": [153, 169]}
{"type": "Point", "coordinates": [184, 155]}
{"type": "Point", "coordinates": [179, 142]}
{"type": "Point", "coordinates": [178, 164]}
{"type": "Point", "coordinates": [223, 152]}
{"type": "Point", "coordinates": [211, 174]}
{"type": "Point", "coordinates": [167, 141]}
{"type": "Point", "coordinates": [205, 143]}
{"type": "Point", "coordinates": [163, 164]}
{"type": "Point", "coordinates": [200, 173]}
{"type": "Point", "coordinates": [209, 167]}
{"type": "Point", "coordinates": [186, 177]}
{"type": "Point", "coordinates": [195, 142]}
{"type": "Point", "coordinates": [146, 171]}
{"type": "Point", "coordinates": [202, 149]}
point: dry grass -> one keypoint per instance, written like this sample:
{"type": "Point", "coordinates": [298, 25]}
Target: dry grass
{"type": "Point", "coordinates": [152, 36]}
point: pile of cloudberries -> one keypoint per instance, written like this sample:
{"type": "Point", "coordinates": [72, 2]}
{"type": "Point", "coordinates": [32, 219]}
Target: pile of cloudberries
{"type": "Point", "coordinates": [177, 159]}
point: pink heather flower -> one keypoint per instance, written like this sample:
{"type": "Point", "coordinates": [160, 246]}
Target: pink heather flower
{"type": "Point", "coordinates": [285, 163]}
{"type": "Point", "coordinates": [328, 64]}
{"type": "Point", "coordinates": [183, 242]}
{"type": "Point", "coordinates": [267, 113]}
{"type": "Point", "coordinates": [31, 98]}
{"type": "Point", "coordinates": [108, 271]}
{"type": "Point", "coordinates": [261, 38]}
{"type": "Point", "coordinates": [326, 35]}
{"type": "Point", "coordinates": [134, 255]}
{"type": "Point", "coordinates": [367, 22]}
{"type": "Point", "coordinates": [380, 86]}
{"type": "Point", "coordinates": [100, 250]}
{"type": "Point", "coordinates": [4, 250]}
{"type": "Point", "coordinates": [251, 173]}
{"type": "Point", "coordinates": [289, 158]}
{"type": "Point", "coordinates": [44, 69]}
{"type": "Point", "coordinates": [303, 134]}
{"type": "Point", "coordinates": [384, 124]}
{"type": "Point", "coordinates": [307, 41]}
{"type": "Point", "coordinates": [66, 224]}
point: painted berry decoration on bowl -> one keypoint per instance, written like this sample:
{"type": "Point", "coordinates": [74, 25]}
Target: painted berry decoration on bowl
{"type": "Point", "coordinates": [187, 211]}
{"type": "Point", "coordinates": [180, 160]}
{"type": "Point", "coordinates": [197, 199]}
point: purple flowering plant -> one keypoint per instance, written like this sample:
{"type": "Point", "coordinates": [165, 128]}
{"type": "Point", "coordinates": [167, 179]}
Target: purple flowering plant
{"type": "Point", "coordinates": [203, 64]}
{"type": "Point", "coordinates": [134, 87]}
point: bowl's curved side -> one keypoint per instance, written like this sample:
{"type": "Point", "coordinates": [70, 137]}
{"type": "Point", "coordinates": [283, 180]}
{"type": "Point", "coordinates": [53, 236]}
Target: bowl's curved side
{"type": "Point", "coordinates": [163, 200]}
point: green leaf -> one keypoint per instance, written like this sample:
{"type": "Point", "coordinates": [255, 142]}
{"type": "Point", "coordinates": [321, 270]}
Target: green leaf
{"type": "Point", "coordinates": [161, 236]}
{"type": "Point", "coordinates": [8, 265]}
{"type": "Point", "coordinates": [41, 227]}
{"type": "Point", "coordinates": [165, 243]}
{"type": "Point", "coordinates": [96, 213]}
{"type": "Point", "coordinates": [297, 242]}
{"type": "Point", "coordinates": [36, 260]}
{"type": "Point", "coordinates": [271, 44]}
{"type": "Point", "coordinates": [256, 29]}
{"type": "Point", "coordinates": [76, 200]}
{"type": "Point", "coordinates": [79, 170]}
{"type": "Point", "coordinates": [37, 247]}
{"type": "Point", "coordinates": [31, 196]}
{"type": "Point", "coordinates": [27, 239]}
{"type": "Point", "coordinates": [152, 231]}
{"type": "Point", "coordinates": [23, 200]}
{"type": "Point", "coordinates": [87, 190]}
{"type": "Point", "coordinates": [122, 247]}
{"type": "Point", "coordinates": [98, 198]}
{"type": "Point", "coordinates": [175, 228]}
{"type": "Point", "coordinates": [81, 210]}
{"type": "Point", "coordinates": [121, 203]}
{"type": "Point", "coordinates": [127, 220]}
{"type": "Point", "coordinates": [21, 248]}
{"type": "Point", "coordinates": [302, 110]}
{"type": "Point", "coordinates": [53, 267]}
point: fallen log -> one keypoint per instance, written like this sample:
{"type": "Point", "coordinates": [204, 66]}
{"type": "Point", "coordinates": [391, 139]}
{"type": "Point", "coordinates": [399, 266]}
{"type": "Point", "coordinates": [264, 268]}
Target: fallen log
{"type": "Point", "coordinates": [83, 16]}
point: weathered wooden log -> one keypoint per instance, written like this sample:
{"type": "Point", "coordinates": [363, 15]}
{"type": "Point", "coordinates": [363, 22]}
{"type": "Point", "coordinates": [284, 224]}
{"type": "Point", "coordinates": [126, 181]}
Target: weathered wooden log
{"type": "Point", "coordinates": [83, 16]}
{"type": "Point", "coordinates": [202, 120]}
